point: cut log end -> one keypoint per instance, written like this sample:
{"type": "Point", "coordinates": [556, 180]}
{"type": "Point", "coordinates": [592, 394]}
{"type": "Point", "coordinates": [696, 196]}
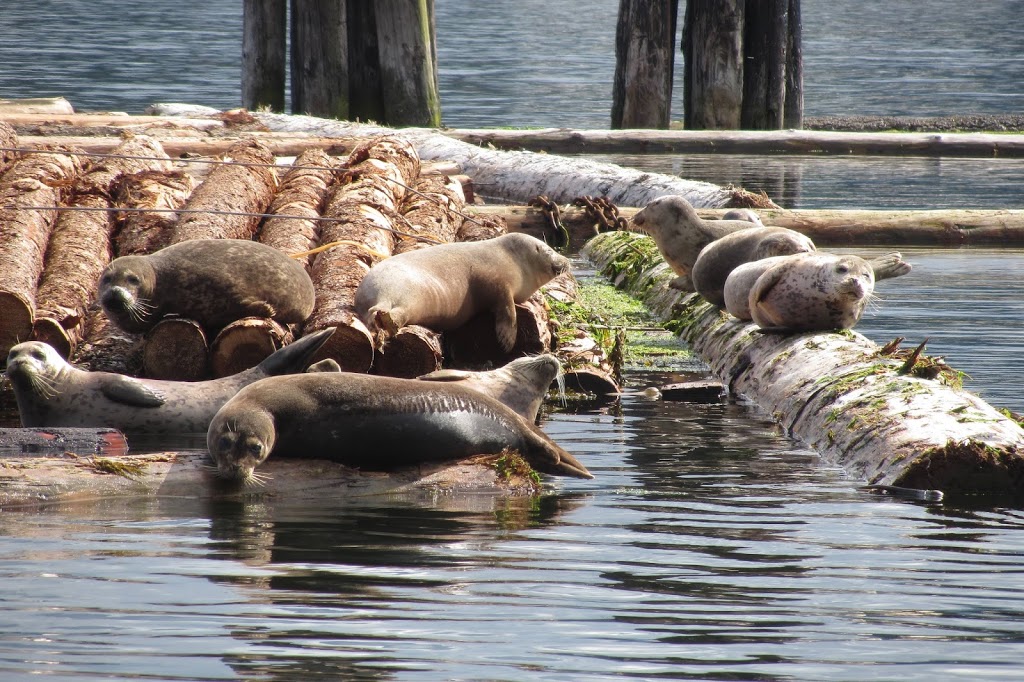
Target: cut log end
{"type": "Point", "coordinates": [244, 344]}
{"type": "Point", "coordinates": [350, 346]}
{"type": "Point", "coordinates": [49, 330]}
{"type": "Point", "coordinates": [176, 349]}
{"type": "Point", "coordinates": [16, 318]}
{"type": "Point", "coordinates": [413, 352]}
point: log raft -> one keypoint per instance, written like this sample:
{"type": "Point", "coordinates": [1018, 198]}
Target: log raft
{"type": "Point", "coordinates": [837, 392]}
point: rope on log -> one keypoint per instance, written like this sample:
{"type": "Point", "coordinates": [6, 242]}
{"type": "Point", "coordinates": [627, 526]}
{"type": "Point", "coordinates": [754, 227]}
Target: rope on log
{"type": "Point", "coordinates": [837, 392]}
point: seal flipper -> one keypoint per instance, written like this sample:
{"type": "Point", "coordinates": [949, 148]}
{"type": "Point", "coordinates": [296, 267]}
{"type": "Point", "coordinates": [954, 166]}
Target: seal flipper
{"type": "Point", "coordinates": [505, 324]}
{"type": "Point", "coordinates": [325, 365]}
{"type": "Point", "coordinates": [548, 457]}
{"type": "Point", "coordinates": [446, 375]}
{"type": "Point", "coordinates": [128, 391]}
{"type": "Point", "coordinates": [295, 357]}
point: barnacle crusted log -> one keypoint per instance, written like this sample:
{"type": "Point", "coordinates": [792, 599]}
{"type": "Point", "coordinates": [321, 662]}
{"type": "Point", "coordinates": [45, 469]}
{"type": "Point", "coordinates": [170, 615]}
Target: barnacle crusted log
{"type": "Point", "coordinates": [148, 226]}
{"type": "Point", "coordinates": [80, 246]}
{"type": "Point", "coordinates": [363, 211]}
{"type": "Point", "coordinates": [246, 185]}
{"type": "Point", "coordinates": [837, 392]}
{"type": "Point", "coordinates": [38, 179]}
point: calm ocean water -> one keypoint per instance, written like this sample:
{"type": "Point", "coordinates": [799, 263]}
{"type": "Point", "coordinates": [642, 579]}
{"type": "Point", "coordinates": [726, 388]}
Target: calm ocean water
{"type": "Point", "coordinates": [708, 546]}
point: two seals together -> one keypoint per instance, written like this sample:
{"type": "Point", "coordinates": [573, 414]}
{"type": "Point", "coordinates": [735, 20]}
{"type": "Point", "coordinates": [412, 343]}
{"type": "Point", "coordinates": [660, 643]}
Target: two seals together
{"type": "Point", "coordinates": [772, 275]}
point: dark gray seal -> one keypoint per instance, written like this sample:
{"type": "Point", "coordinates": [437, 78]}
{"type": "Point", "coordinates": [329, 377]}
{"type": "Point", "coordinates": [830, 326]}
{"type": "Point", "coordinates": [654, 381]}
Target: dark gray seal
{"type": "Point", "coordinates": [50, 392]}
{"type": "Point", "coordinates": [722, 256]}
{"type": "Point", "coordinates": [441, 287]}
{"type": "Point", "coordinates": [681, 234]}
{"type": "Point", "coordinates": [372, 422]}
{"type": "Point", "coordinates": [211, 281]}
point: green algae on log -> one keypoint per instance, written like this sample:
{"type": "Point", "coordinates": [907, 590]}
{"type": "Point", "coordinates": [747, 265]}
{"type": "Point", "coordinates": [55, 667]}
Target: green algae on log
{"type": "Point", "coordinates": [835, 391]}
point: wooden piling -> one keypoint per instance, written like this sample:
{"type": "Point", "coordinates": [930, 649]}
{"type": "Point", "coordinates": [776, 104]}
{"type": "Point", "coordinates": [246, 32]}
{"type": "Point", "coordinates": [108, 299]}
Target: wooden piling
{"type": "Point", "coordinates": [263, 53]}
{"type": "Point", "coordinates": [713, 63]}
{"type": "Point", "coordinates": [644, 53]}
{"type": "Point", "coordinates": [320, 62]}
{"type": "Point", "coordinates": [407, 73]}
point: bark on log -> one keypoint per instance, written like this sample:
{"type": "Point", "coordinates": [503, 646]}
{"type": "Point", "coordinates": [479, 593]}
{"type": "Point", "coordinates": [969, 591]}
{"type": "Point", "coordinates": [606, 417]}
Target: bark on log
{"type": "Point", "coordinates": [176, 349]}
{"type": "Point", "coordinates": [9, 141]}
{"type": "Point", "coordinates": [144, 232]}
{"type": "Point", "coordinates": [246, 343]}
{"type": "Point", "coordinates": [39, 179]}
{"type": "Point", "coordinates": [713, 59]}
{"type": "Point", "coordinates": [238, 189]}
{"type": "Point", "coordinates": [106, 348]}
{"type": "Point", "coordinates": [264, 42]}
{"type": "Point", "coordinates": [361, 211]}
{"type": "Point", "coordinates": [80, 245]}
{"type": "Point", "coordinates": [61, 442]}
{"type": "Point", "coordinates": [837, 392]}
{"type": "Point", "coordinates": [644, 53]}
{"type": "Point", "coordinates": [320, 65]}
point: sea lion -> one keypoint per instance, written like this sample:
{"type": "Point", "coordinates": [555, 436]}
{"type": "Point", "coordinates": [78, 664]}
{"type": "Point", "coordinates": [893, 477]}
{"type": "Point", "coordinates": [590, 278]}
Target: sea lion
{"type": "Point", "coordinates": [211, 281]}
{"type": "Point", "coordinates": [50, 392]}
{"type": "Point", "coordinates": [441, 287]}
{"type": "Point", "coordinates": [722, 256]}
{"type": "Point", "coordinates": [520, 384]}
{"type": "Point", "coordinates": [741, 279]}
{"type": "Point", "coordinates": [812, 292]}
{"type": "Point", "coordinates": [680, 233]}
{"type": "Point", "coordinates": [372, 422]}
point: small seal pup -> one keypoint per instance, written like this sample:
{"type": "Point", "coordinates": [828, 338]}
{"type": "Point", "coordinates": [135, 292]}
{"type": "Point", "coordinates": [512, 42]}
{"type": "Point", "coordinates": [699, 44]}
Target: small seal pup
{"type": "Point", "coordinates": [50, 392]}
{"type": "Point", "coordinates": [441, 287]}
{"type": "Point", "coordinates": [722, 256]}
{"type": "Point", "coordinates": [741, 280]}
{"type": "Point", "coordinates": [812, 292]}
{"type": "Point", "coordinates": [372, 422]}
{"type": "Point", "coordinates": [681, 234]}
{"type": "Point", "coordinates": [211, 281]}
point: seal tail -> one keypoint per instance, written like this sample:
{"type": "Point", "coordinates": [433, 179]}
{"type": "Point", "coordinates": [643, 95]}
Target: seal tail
{"type": "Point", "coordinates": [295, 357]}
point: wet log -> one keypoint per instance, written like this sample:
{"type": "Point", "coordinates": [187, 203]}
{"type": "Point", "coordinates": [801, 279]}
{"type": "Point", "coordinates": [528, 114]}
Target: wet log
{"type": "Point", "coordinates": [80, 245]}
{"type": "Point", "coordinates": [886, 418]}
{"type": "Point", "coordinates": [16, 442]}
{"type": "Point", "coordinates": [227, 190]}
{"type": "Point", "coordinates": [144, 231]}
{"type": "Point", "coordinates": [38, 179]}
{"type": "Point", "coordinates": [303, 191]}
{"type": "Point", "coordinates": [176, 348]}
{"type": "Point", "coordinates": [361, 211]}
{"type": "Point", "coordinates": [246, 343]}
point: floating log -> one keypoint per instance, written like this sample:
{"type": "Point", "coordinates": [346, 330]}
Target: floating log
{"type": "Point", "coordinates": [58, 441]}
{"type": "Point", "coordinates": [176, 349]}
{"type": "Point", "coordinates": [36, 105]}
{"type": "Point", "coordinates": [38, 179]}
{"type": "Point", "coordinates": [144, 232]}
{"type": "Point", "coordinates": [80, 246]}
{"type": "Point", "coordinates": [886, 422]}
{"type": "Point", "coordinates": [230, 189]}
{"type": "Point", "coordinates": [362, 209]}
{"type": "Point", "coordinates": [246, 343]}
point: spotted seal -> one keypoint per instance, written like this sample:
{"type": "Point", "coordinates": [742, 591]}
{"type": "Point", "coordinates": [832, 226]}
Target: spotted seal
{"type": "Point", "coordinates": [722, 256]}
{"type": "Point", "coordinates": [812, 292]}
{"type": "Point", "coordinates": [680, 233]}
{"type": "Point", "coordinates": [211, 281]}
{"type": "Point", "coordinates": [441, 287]}
{"type": "Point", "coordinates": [372, 422]}
{"type": "Point", "coordinates": [51, 392]}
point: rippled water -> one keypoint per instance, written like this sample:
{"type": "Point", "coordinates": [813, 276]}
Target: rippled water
{"type": "Point", "coordinates": [708, 547]}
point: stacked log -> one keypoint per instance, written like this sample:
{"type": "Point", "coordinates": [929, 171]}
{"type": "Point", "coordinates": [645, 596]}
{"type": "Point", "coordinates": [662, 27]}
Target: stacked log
{"type": "Point", "coordinates": [40, 179]}
{"type": "Point", "coordinates": [8, 142]}
{"type": "Point", "coordinates": [80, 246]}
{"type": "Point", "coordinates": [360, 213]}
{"type": "Point", "coordinates": [148, 226]}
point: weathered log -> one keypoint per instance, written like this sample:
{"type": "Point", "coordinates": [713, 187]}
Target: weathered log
{"type": "Point", "coordinates": [246, 343]}
{"type": "Point", "coordinates": [143, 231]}
{"type": "Point", "coordinates": [9, 142]}
{"type": "Point", "coordinates": [227, 190]}
{"type": "Point", "coordinates": [38, 179]}
{"type": "Point", "coordinates": [36, 105]}
{"type": "Point", "coordinates": [187, 144]}
{"type": "Point", "coordinates": [361, 213]}
{"type": "Point", "coordinates": [644, 51]}
{"type": "Point", "coordinates": [67, 442]}
{"type": "Point", "coordinates": [303, 191]}
{"type": "Point", "coordinates": [80, 245]}
{"type": "Point", "coordinates": [264, 42]}
{"type": "Point", "coordinates": [838, 392]}
{"type": "Point", "coordinates": [176, 348]}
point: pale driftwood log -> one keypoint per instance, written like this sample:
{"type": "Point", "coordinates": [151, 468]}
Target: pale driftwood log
{"type": "Point", "coordinates": [57, 442]}
{"type": "Point", "coordinates": [362, 210]}
{"type": "Point", "coordinates": [144, 232]}
{"type": "Point", "coordinates": [836, 392]}
{"type": "Point", "coordinates": [36, 105]}
{"type": "Point", "coordinates": [246, 343]}
{"type": "Point", "coordinates": [80, 245]}
{"type": "Point", "coordinates": [38, 179]}
{"type": "Point", "coordinates": [230, 188]}
{"type": "Point", "coordinates": [176, 348]}
{"type": "Point", "coordinates": [184, 142]}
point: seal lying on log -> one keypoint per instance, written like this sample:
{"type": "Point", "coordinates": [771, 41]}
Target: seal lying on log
{"type": "Point", "coordinates": [51, 392]}
{"type": "Point", "coordinates": [372, 422]}
{"type": "Point", "coordinates": [211, 281]}
{"type": "Point", "coordinates": [441, 287]}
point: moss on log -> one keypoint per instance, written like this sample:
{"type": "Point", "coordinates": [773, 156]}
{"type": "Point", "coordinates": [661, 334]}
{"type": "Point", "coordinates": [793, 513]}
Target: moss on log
{"type": "Point", "coordinates": [840, 393]}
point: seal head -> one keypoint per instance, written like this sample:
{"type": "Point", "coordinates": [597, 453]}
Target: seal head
{"type": "Point", "coordinates": [126, 293]}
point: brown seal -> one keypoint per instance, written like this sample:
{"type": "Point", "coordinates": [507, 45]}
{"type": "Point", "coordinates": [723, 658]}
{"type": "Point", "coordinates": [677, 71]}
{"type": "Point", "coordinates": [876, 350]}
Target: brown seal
{"type": "Point", "coordinates": [681, 234]}
{"type": "Point", "coordinates": [211, 281]}
{"type": "Point", "coordinates": [722, 256]}
{"type": "Point", "coordinates": [812, 292]}
{"type": "Point", "coordinates": [441, 287]}
{"type": "Point", "coordinates": [741, 280]}
{"type": "Point", "coordinates": [50, 392]}
{"type": "Point", "coordinates": [372, 422]}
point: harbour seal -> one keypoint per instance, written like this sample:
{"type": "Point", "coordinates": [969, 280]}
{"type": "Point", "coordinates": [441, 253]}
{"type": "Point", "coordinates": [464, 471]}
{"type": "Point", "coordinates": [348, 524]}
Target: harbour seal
{"type": "Point", "coordinates": [722, 256]}
{"type": "Point", "coordinates": [743, 214]}
{"type": "Point", "coordinates": [741, 280]}
{"type": "Point", "coordinates": [211, 281]}
{"type": "Point", "coordinates": [372, 422]}
{"type": "Point", "coordinates": [680, 233]}
{"type": "Point", "coordinates": [51, 392]}
{"type": "Point", "coordinates": [812, 292]}
{"type": "Point", "coordinates": [441, 287]}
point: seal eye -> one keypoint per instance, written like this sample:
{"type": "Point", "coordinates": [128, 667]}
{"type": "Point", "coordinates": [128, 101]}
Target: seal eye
{"type": "Point", "coordinates": [132, 280]}
{"type": "Point", "coordinates": [225, 442]}
{"type": "Point", "coordinates": [105, 279]}
{"type": "Point", "coordinates": [842, 269]}
{"type": "Point", "coordinates": [254, 448]}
